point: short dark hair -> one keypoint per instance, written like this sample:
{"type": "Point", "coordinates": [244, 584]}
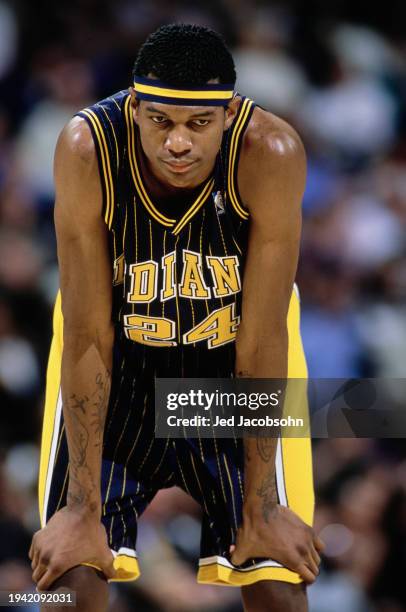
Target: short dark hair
{"type": "Point", "coordinates": [185, 54]}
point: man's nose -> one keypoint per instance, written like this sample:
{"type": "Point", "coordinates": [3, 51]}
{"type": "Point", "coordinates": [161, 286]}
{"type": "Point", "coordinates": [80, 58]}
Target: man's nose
{"type": "Point", "coordinates": [178, 141]}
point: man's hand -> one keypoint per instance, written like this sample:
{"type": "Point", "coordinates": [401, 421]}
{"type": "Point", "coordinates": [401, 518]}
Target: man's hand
{"type": "Point", "coordinates": [68, 539]}
{"type": "Point", "coordinates": [284, 537]}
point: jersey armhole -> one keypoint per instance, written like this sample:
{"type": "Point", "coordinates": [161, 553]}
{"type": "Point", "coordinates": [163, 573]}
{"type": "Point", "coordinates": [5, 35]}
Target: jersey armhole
{"type": "Point", "coordinates": [104, 163]}
{"type": "Point", "coordinates": [238, 130]}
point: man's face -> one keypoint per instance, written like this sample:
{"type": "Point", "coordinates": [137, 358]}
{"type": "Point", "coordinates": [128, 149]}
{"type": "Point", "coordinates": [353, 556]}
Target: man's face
{"type": "Point", "coordinates": [181, 142]}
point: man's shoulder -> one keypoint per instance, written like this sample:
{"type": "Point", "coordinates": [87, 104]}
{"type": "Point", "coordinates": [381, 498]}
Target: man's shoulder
{"type": "Point", "coordinates": [76, 140]}
{"type": "Point", "coordinates": [272, 159]}
{"type": "Point", "coordinates": [269, 137]}
{"type": "Point", "coordinates": [76, 137]}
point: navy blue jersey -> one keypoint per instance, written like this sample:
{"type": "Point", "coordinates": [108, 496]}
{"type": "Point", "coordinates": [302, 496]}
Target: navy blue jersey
{"type": "Point", "coordinates": [177, 275]}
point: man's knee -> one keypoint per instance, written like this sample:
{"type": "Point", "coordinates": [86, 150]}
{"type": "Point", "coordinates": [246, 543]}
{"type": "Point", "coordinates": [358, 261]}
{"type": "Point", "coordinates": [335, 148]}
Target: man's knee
{"type": "Point", "coordinates": [89, 585]}
{"type": "Point", "coordinates": [274, 596]}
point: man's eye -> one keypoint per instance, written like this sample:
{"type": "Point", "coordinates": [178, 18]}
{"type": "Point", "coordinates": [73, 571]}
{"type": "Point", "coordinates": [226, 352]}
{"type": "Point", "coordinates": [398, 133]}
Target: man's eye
{"type": "Point", "coordinates": [158, 119]}
{"type": "Point", "coordinates": [201, 122]}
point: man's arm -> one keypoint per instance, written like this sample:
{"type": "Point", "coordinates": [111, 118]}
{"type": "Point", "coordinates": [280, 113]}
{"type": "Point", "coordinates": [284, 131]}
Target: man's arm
{"type": "Point", "coordinates": [271, 177]}
{"type": "Point", "coordinates": [75, 534]}
{"type": "Point", "coordinates": [86, 290]}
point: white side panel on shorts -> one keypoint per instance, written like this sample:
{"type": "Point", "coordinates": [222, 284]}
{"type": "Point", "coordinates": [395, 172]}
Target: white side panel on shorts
{"type": "Point", "coordinates": [280, 476]}
{"type": "Point", "coordinates": [226, 563]}
{"type": "Point", "coordinates": [50, 469]}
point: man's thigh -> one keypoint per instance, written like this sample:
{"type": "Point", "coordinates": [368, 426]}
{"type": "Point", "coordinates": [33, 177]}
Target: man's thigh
{"type": "Point", "coordinates": [274, 596]}
{"type": "Point", "coordinates": [90, 586]}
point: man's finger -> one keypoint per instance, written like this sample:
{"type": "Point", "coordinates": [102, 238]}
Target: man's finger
{"type": "Point", "coordinates": [109, 569]}
{"type": "Point", "coordinates": [306, 574]}
{"type": "Point", "coordinates": [318, 544]}
{"type": "Point", "coordinates": [312, 565]}
{"type": "Point", "coordinates": [239, 556]}
{"type": "Point", "coordinates": [32, 547]}
{"type": "Point", "coordinates": [47, 579]}
{"type": "Point", "coordinates": [315, 555]}
{"type": "Point", "coordinates": [237, 559]}
{"type": "Point", "coordinates": [34, 562]}
{"type": "Point", "coordinates": [53, 572]}
{"type": "Point", "coordinates": [39, 572]}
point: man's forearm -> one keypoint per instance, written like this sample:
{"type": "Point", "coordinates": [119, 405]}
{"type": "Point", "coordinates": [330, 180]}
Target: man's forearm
{"type": "Point", "coordinates": [86, 380]}
{"type": "Point", "coordinates": [260, 493]}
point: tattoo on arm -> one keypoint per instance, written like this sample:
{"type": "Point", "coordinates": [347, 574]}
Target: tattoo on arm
{"type": "Point", "coordinates": [78, 494]}
{"type": "Point", "coordinates": [82, 485]}
{"type": "Point", "coordinates": [265, 447]}
{"type": "Point", "coordinates": [78, 403]}
{"type": "Point", "coordinates": [267, 493]}
{"type": "Point", "coordinates": [100, 404]}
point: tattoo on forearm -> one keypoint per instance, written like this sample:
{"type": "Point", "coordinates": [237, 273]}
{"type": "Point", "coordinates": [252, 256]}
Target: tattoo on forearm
{"type": "Point", "coordinates": [79, 403]}
{"type": "Point", "coordinates": [81, 481]}
{"type": "Point", "coordinates": [80, 494]}
{"type": "Point", "coordinates": [99, 406]}
{"type": "Point", "coordinates": [267, 493]}
{"type": "Point", "coordinates": [265, 448]}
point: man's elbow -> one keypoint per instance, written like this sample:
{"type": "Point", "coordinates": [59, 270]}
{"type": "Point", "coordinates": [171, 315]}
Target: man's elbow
{"type": "Point", "coordinates": [80, 338]}
{"type": "Point", "coordinates": [252, 349]}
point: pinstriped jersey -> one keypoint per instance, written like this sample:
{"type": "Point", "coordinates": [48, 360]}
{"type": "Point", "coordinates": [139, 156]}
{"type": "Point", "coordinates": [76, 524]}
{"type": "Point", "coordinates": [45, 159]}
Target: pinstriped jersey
{"type": "Point", "coordinates": [177, 276]}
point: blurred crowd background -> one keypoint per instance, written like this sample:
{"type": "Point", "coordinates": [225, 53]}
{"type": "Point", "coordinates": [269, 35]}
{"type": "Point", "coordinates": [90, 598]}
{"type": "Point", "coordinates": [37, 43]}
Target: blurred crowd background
{"type": "Point", "coordinates": [335, 70]}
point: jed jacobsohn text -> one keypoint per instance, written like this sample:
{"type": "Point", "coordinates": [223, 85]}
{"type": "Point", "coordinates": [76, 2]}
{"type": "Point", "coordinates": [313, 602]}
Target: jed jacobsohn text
{"type": "Point", "coordinates": [231, 421]}
{"type": "Point", "coordinates": [207, 401]}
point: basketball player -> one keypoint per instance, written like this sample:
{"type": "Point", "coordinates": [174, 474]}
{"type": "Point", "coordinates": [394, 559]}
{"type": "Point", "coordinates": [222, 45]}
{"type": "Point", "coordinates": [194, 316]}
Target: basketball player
{"type": "Point", "coordinates": [178, 222]}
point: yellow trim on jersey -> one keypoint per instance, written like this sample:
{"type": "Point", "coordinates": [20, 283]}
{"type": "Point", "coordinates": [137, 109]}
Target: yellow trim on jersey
{"type": "Point", "coordinates": [233, 151]}
{"type": "Point", "coordinates": [195, 207]}
{"type": "Point", "coordinates": [233, 154]}
{"type": "Point", "coordinates": [142, 192]}
{"type": "Point", "coordinates": [136, 174]}
{"type": "Point", "coordinates": [114, 134]}
{"type": "Point", "coordinates": [183, 93]}
{"type": "Point", "coordinates": [232, 159]}
{"type": "Point", "coordinates": [104, 152]}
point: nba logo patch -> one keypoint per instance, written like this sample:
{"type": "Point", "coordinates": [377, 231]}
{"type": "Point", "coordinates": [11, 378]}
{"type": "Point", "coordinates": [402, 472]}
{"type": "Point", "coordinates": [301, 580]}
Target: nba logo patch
{"type": "Point", "coordinates": [218, 202]}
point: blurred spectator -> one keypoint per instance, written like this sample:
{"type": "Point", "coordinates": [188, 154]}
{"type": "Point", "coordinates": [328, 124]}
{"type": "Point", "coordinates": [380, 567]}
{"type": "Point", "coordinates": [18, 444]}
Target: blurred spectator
{"type": "Point", "coordinates": [66, 83]}
{"type": "Point", "coordinates": [265, 71]}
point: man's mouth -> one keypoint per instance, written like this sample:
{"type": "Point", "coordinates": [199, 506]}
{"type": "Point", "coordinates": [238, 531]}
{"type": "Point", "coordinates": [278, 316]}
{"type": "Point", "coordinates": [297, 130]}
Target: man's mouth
{"type": "Point", "coordinates": [179, 167]}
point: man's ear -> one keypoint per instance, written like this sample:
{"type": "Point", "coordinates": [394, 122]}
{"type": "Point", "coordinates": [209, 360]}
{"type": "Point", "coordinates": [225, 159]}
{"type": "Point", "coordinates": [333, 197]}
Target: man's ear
{"type": "Point", "coordinates": [135, 103]}
{"type": "Point", "coordinates": [231, 111]}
